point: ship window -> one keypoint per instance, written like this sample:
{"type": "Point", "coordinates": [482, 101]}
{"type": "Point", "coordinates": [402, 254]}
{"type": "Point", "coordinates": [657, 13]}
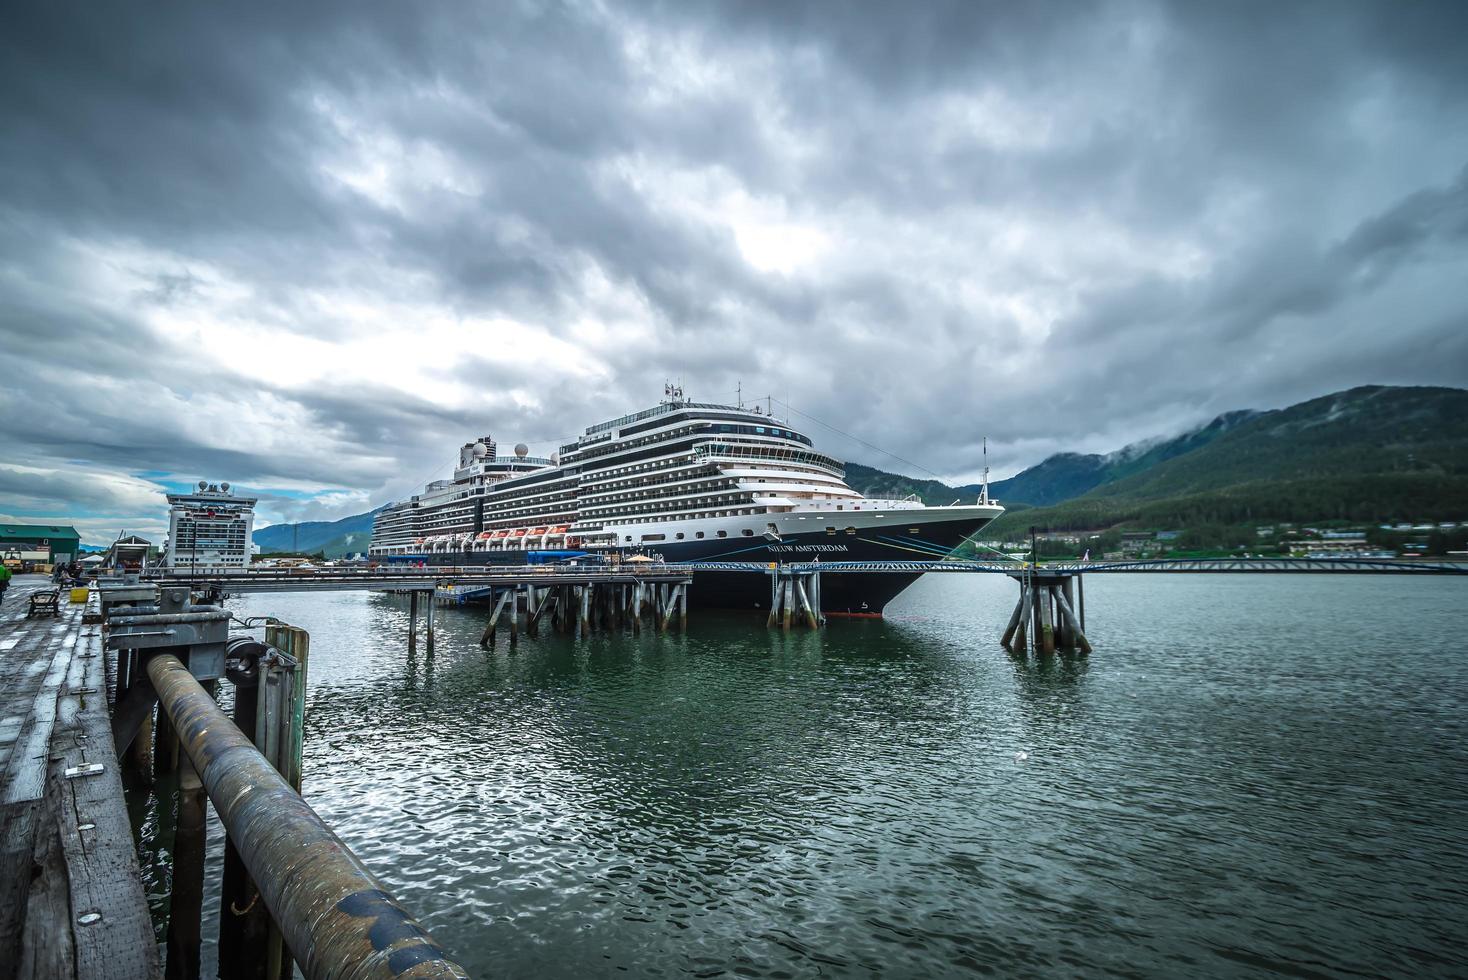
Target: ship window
{"type": "Point", "coordinates": [680, 535]}
{"type": "Point", "coordinates": [698, 534]}
{"type": "Point", "coordinates": [830, 530]}
{"type": "Point", "coordinates": [912, 530]}
{"type": "Point", "coordinates": [723, 534]}
{"type": "Point", "coordinates": [840, 506]}
{"type": "Point", "coordinates": [747, 533]}
{"type": "Point", "coordinates": [851, 530]}
{"type": "Point", "coordinates": [654, 537]}
{"type": "Point", "coordinates": [629, 537]}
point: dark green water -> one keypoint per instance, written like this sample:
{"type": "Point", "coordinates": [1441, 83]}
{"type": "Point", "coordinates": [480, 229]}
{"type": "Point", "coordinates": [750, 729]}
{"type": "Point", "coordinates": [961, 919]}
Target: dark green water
{"type": "Point", "coordinates": [1252, 775]}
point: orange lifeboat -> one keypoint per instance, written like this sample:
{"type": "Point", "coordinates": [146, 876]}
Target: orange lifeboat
{"type": "Point", "coordinates": [501, 534]}
{"type": "Point", "coordinates": [519, 532]}
{"type": "Point", "coordinates": [485, 535]}
{"type": "Point", "coordinates": [560, 530]}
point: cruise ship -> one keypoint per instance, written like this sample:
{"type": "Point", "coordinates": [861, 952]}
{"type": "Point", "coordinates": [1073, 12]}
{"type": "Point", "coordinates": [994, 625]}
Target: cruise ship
{"type": "Point", "coordinates": [681, 482]}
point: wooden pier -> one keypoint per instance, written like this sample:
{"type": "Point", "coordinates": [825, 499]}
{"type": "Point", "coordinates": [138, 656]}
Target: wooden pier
{"type": "Point", "coordinates": [86, 694]}
{"type": "Point", "coordinates": [71, 899]}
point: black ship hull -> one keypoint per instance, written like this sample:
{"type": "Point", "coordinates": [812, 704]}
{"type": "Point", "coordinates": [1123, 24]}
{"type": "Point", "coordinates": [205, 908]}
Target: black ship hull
{"type": "Point", "coordinates": [849, 593]}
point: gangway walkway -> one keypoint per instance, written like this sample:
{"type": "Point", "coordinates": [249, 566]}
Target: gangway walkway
{"type": "Point", "coordinates": [1271, 565]}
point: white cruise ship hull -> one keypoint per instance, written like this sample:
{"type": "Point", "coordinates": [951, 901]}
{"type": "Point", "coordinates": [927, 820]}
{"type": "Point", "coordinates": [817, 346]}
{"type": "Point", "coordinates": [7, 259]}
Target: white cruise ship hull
{"type": "Point", "coordinates": [875, 534]}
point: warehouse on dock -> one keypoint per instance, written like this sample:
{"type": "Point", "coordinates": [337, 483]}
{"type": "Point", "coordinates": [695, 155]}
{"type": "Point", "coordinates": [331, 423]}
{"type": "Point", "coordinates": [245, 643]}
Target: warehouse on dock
{"type": "Point", "coordinates": [29, 544]}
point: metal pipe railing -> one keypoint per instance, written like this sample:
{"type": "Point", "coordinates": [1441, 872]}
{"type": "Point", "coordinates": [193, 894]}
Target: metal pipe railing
{"type": "Point", "coordinates": [337, 919]}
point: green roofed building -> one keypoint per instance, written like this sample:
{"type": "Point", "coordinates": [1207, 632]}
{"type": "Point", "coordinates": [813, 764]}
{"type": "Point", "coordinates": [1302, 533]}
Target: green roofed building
{"type": "Point", "coordinates": [51, 543]}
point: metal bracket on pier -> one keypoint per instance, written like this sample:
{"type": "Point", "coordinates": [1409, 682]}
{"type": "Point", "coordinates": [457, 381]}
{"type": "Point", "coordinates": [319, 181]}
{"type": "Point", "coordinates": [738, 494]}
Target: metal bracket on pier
{"type": "Point", "coordinates": [195, 634]}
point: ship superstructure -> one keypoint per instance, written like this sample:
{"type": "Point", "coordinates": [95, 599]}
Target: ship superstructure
{"type": "Point", "coordinates": [686, 481]}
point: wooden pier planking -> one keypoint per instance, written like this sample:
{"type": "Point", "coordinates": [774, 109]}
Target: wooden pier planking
{"type": "Point", "coordinates": [66, 846]}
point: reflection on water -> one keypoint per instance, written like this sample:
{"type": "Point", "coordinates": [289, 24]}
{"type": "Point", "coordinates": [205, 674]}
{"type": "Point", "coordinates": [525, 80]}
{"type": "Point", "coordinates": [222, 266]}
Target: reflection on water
{"type": "Point", "coordinates": [1225, 786]}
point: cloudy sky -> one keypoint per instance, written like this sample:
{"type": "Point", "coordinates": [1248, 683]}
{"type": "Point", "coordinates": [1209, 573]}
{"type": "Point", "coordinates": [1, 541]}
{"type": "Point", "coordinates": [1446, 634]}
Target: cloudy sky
{"type": "Point", "coordinates": [312, 250]}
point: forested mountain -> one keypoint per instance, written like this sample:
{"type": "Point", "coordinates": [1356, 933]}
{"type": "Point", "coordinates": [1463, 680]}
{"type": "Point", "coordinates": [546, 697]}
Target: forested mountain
{"type": "Point", "coordinates": [1367, 454]}
{"type": "Point", "coordinates": [312, 536]}
{"type": "Point", "coordinates": [879, 483]}
{"type": "Point", "coordinates": [1067, 475]}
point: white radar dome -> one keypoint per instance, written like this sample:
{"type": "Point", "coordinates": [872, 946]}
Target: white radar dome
{"type": "Point", "coordinates": [521, 450]}
{"type": "Point", "coordinates": [480, 450]}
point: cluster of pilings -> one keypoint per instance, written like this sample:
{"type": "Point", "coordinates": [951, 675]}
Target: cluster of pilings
{"type": "Point", "coordinates": [1048, 616]}
{"type": "Point", "coordinates": [570, 608]}
{"type": "Point", "coordinates": [795, 594]}
{"type": "Point", "coordinates": [585, 608]}
{"type": "Point", "coordinates": [292, 893]}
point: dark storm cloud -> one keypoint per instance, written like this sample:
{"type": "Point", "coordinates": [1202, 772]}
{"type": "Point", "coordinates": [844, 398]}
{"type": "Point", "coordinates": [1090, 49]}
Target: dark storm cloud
{"type": "Point", "coordinates": [318, 246]}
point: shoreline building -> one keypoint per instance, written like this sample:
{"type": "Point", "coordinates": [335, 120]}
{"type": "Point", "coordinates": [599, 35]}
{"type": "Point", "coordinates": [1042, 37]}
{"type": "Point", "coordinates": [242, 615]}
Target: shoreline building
{"type": "Point", "coordinates": [45, 543]}
{"type": "Point", "coordinates": [209, 528]}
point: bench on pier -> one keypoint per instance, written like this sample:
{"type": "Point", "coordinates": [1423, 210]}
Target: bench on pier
{"type": "Point", "coordinates": [45, 603]}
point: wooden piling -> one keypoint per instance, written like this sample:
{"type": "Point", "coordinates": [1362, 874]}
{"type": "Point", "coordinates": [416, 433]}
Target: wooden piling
{"type": "Point", "coordinates": [1026, 630]}
{"type": "Point", "coordinates": [432, 605]}
{"type": "Point", "coordinates": [165, 747]}
{"type": "Point", "coordinates": [805, 606]}
{"type": "Point", "coordinates": [1014, 619]}
{"type": "Point", "coordinates": [1081, 600]}
{"type": "Point", "coordinates": [412, 619]}
{"type": "Point", "coordinates": [244, 922]}
{"type": "Point", "coordinates": [1078, 633]}
{"type": "Point", "coordinates": [140, 756]}
{"type": "Point", "coordinates": [1047, 628]}
{"type": "Point", "coordinates": [186, 892]}
{"type": "Point", "coordinates": [1066, 595]}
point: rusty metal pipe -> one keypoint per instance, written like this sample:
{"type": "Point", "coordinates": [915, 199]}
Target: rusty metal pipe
{"type": "Point", "coordinates": [153, 610]}
{"type": "Point", "coordinates": [337, 919]}
{"type": "Point", "coordinates": [193, 616]}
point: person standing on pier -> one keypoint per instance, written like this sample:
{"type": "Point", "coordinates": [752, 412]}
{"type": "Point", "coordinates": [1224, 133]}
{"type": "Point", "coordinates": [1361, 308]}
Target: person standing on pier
{"type": "Point", "coordinates": [4, 580]}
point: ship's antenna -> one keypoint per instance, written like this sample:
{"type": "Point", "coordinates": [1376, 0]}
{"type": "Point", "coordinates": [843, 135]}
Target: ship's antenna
{"type": "Point", "coordinates": [739, 393]}
{"type": "Point", "coordinates": [984, 493]}
{"type": "Point", "coordinates": [770, 405]}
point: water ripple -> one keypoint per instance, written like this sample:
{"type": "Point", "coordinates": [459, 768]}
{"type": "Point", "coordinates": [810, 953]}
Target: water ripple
{"type": "Point", "coordinates": [1223, 788]}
